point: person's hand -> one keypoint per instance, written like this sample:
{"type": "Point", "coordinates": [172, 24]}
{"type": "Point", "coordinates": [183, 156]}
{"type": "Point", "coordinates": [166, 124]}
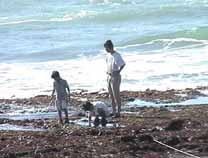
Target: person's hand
{"type": "Point", "coordinates": [52, 97]}
{"type": "Point", "coordinates": [51, 102]}
{"type": "Point", "coordinates": [108, 73]}
{"type": "Point", "coordinates": [69, 98]}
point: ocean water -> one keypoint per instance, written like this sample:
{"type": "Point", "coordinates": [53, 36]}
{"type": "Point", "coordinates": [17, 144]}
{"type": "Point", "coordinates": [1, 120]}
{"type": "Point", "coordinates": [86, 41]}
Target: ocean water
{"type": "Point", "coordinates": [164, 44]}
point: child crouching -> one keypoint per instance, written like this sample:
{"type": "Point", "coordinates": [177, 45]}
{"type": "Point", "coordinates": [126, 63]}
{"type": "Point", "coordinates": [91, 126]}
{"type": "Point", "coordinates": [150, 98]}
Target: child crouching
{"type": "Point", "coordinates": [97, 109]}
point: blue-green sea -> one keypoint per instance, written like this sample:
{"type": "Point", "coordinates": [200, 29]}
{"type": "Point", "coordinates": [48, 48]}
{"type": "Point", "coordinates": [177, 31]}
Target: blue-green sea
{"type": "Point", "coordinates": [164, 44]}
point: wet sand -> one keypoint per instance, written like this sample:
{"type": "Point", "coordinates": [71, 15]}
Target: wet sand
{"type": "Point", "coordinates": [131, 135]}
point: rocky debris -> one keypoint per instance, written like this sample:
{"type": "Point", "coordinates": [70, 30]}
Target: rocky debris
{"type": "Point", "coordinates": [130, 99]}
{"type": "Point", "coordinates": [147, 138]}
{"type": "Point", "coordinates": [175, 125]}
{"type": "Point", "coordinates": [3, 121]}
{"type": "Point", "coordinates": [172, 141]}
{"type": "Point", "coordinates": [136, 139]}
{"type": "Point", "coordinates": [4, 107]}
{"type": "Point", "coordinates": [185, 129]}
{"type": "Point", "coordinates": [128, 138]}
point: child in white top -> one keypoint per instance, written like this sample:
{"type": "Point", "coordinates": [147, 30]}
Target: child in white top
{"type": "Point", "coordinates": [97, 109]}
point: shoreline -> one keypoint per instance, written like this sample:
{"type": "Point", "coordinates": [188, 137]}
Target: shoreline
{"type": "Point", "coordinates": [155, 96]}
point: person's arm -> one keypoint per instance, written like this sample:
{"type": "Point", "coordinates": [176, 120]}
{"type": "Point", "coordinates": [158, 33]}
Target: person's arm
{"type": "Point", "coordinates": [121, 68]}
{"type": "Point", "coordinates": [53, 91]}
{"type": "Point", "coordinates": [90, 114]}
{"type": "Point", "coordinates": [52, 97]}
{"type": "Point", "coordinates": [89, 118]}
{"type": "Point", "coordinates": [120, 62]}
{"type": "Point", "coordinates": [68, 91]}
{"type": "Point", "coordinates": [69, 95]}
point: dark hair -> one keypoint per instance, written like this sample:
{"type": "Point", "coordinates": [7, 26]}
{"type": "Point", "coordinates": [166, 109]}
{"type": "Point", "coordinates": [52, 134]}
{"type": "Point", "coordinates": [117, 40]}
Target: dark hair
{"type": "Point", "coordinates": [108, 44]}
{"type": "Point", "coordinates": [87, 106]}
{"type": "Point", "coordinates": [55, 74]}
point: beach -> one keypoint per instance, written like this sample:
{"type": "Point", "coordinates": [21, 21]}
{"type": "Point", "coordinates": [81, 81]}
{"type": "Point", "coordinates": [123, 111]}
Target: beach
{"type": "Point", "coordinates": [164, 89]}
{"type": "Point", "coordinates": [37, 133]}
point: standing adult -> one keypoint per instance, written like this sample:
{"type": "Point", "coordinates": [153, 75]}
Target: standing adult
{"type": "Point", "coordinates": [115, 64]}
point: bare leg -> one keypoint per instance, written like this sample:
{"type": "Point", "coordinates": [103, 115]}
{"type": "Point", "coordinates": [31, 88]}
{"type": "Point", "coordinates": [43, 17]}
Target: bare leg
{"type": "Point", "coordinates": [58, 106]}
{"type": "Point", "coordinates": [103, 121]}
{"type": "Point", "coordinates": [96, 121]}
{"type": "Point", "coordinates": [89, 119]}
{"type": "Point", "coordinates": [60, 117]}
{"type": "Point", "coordinates": [110, 90]}
{"type": "Point", "coordinates": [66, 116]}
{"type": "Point", "coordinates": [113, 104]}
{"type": "Point", "coordinates": [102, 113]}
{"type": "Point", "coordinates": [119, 103]}
{"type": "Point", "coordinates": [118, 99]}
{"type": "Point", "coordinates": [116, 92]}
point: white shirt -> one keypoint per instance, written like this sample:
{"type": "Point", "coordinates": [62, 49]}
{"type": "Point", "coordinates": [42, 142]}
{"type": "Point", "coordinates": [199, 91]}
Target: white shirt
{"type": "Point", "coordinates": [114, 62]}
{"type": "Point", "coordinates": [100, 105]}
